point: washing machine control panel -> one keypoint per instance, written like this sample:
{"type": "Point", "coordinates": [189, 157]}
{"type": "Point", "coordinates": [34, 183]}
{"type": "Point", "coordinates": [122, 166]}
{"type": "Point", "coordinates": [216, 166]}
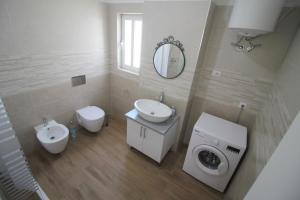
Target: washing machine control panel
{"type": "Point", "coordinates": [207, 139]}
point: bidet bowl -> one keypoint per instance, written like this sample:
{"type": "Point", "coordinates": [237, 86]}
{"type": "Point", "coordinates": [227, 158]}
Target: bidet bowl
{"type": "Point", "coordinates": [152, 110]}
{"type": "Point", "coordinates": [53, 137]}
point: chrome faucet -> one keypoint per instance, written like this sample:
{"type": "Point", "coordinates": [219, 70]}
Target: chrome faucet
{"type": "Point", "coordinates": [45, 121]}
{"type": "Point", "coordinates": [161, 97]}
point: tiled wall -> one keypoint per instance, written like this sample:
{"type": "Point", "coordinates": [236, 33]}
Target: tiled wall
{"type": "Point", "coordinates": [270, 125]}
{"type": "Point", "coordinates": [188, 28]}
{"type": "Point", "coordinates": [18, 74]}
{"type": "Point", "coordinates": [156, 27]}
{"type": "Point", "coordinates": [272, 121]}
{"type": "Point", "coordinates": [59, 102]}
{"type": "Point", "coordinates": [288, 80]}
{"type": "Point", "coordinates": [44, 44]}
{"type": "Point", "coordinates": [246, 77]}
{"type": "Point", "coordinates": [249, 78]}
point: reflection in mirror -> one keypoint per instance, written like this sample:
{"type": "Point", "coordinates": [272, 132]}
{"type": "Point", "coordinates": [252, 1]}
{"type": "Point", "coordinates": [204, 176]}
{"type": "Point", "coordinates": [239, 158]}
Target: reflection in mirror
{"type": "Point", "coordinates": [169, 59]}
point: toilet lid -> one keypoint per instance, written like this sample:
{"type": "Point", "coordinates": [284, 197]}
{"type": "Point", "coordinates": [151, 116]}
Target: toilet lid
{"type": "Point", "coordinates": [91, 113]}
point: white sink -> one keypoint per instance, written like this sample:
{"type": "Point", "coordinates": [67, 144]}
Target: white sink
{"type": "Point", "coordinates": [152, 110]}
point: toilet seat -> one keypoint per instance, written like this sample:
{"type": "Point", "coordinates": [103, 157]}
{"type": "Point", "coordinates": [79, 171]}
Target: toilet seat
{"type": "Point", "coordinates": [91, 113]}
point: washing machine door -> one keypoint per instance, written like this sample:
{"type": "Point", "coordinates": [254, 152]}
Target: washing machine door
{"type": "Point", "coordinates": [210, 160]}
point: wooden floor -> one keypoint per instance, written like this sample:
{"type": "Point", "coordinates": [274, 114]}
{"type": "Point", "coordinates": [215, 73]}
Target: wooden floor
{"type": "Point", "coordinates": [102, 166]}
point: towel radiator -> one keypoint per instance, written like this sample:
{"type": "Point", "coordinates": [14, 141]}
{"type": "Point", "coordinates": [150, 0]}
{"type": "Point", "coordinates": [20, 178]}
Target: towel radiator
{"type": "Point", "coordinates": [16, 179]}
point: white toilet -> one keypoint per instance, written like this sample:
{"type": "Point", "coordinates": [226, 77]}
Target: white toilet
{"type": "Point", "coordinates": [91, 118]}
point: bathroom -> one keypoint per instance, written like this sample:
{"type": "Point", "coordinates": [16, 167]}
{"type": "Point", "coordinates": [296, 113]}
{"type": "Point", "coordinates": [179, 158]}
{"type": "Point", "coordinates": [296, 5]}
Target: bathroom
{"type": "Point", "coordinates": [57, 57]}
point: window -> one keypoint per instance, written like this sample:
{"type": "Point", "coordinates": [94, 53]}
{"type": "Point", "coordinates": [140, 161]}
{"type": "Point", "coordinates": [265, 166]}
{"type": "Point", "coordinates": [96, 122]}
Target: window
{"type": "Point", "coordinates": [131, 41]}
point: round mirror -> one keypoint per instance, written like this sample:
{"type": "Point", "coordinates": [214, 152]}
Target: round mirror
{"type": "Point", "coordinates": [169, 59]}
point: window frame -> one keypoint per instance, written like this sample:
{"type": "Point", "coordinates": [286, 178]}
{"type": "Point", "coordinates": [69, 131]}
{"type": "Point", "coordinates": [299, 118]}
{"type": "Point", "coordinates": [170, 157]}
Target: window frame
{"type": "Point", "coordinates": [133, 17]}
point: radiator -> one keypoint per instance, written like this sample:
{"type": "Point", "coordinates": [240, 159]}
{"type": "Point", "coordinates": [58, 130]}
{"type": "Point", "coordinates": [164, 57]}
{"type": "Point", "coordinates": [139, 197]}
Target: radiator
{"type": "Point", "coordinates": [16, 179]}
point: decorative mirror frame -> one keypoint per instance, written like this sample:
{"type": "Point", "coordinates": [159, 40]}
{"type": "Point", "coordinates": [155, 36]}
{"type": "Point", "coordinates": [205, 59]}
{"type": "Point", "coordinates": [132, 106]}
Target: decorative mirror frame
{"type": "Point", "coordinates": [170, 40]}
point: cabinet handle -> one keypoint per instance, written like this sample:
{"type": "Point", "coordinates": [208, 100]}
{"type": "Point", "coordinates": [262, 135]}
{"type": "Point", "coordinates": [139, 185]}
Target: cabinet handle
{"type": "Point", "coordinates": [141, 129]}
{"type": "Point", "coordinates": [144, 132]}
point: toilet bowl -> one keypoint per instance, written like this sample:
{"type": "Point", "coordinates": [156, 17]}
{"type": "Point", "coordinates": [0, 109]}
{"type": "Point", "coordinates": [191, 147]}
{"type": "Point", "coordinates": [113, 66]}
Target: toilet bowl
{"type": "Point", "coordinates": [91, 118]}
{"type": "Point", "coordinates": [52, 136]}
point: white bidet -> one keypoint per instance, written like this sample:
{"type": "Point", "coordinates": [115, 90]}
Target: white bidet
{"type": "Point", "coordinates": [53, 136]}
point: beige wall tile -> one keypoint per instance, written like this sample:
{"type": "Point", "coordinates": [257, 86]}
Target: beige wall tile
{"type": "Point", "coordinates": [126, 87]}
{"type": "Point", "coordinates": [250, 78]}
{"type": "Point", "coordinates": [40, 50]}
{"type": "Point", "coordinates": [271, 123]}
{"type": "Point", "coordinates": [245, 76]}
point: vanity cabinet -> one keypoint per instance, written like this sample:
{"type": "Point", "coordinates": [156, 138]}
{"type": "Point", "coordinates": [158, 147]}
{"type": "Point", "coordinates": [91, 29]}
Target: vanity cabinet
{"type": "Point", "coordinates": [152, 139]}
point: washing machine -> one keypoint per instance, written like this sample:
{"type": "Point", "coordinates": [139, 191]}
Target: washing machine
{"type": "Point", "coordinates": [215, 149]}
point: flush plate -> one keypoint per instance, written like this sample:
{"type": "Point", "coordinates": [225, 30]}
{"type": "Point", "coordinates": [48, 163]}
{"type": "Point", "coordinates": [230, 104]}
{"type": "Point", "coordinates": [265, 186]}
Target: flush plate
{"type": "Point", "coordinates": [78, 80]}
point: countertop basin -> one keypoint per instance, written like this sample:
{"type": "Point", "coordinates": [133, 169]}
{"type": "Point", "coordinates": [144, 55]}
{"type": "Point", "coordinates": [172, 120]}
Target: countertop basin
{"type": "Point", "coordinates": [152, 110]}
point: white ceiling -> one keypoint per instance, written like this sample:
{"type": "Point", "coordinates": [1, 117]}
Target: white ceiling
{"type": "Point", "coordinates": [218, 2]}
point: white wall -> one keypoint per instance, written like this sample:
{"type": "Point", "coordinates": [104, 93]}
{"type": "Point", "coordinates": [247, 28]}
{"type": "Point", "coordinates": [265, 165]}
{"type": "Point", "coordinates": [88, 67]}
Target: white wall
{"type": "Point", "coordinates": [280, 177]}
{"type": "Point", "coordinates": [186, 21]}
{"type": "Point", "coordinates": [2, 195]}
{"type": "Point", "coordinates": [46, 42]}
{"type": "Point", "coordinates": [42, 45]}
{"type": "Point", "coordinates": [40, 26]}
{"type": "Point", "coordinates": [272, 122]}
{"type": "Point", "coordinates": [288, 78]}
{"type": "Point", "coordinates": [246, 77]}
